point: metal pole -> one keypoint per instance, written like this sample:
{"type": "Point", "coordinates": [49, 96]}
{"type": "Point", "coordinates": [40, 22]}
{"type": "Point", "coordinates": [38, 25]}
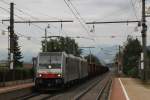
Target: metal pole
{"type": "Point", "coordinates": [11, 35]}
{"type": "Point", "coordinates": [119, 59]}
{"type": "Point", "coordinates": [74, 49]}
{"type": "Point", "coordinates": [45, 40]}
{"type": "Point", "coordinates": [144, 30]}
{"type": "Point", "coordinates": [90, 55]}
{"type": "Point", "coordinates": [8, 46]}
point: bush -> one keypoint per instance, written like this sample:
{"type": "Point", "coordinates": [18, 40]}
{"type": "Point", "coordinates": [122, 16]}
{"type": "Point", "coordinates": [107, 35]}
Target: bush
{"type": "Point", "coordinates": [133, 72]}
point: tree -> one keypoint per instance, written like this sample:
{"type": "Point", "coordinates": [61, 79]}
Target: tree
{"type": "Point", "coordinates": [61, 44]}
{"type": "Point", "coordinates": [131, 56]}
{"type": "Point", "coordinates": [17, 53]}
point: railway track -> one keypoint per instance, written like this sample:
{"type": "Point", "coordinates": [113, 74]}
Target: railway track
{"type": "Point", "coordinates": [37, 96]}
{"type": "Point", "coordinates": [95, 91]}
{"type": "Point", "coordinates": [80, 91]}
{"type": "Point", "coordinates": [101, 92]}
{"type": "Point", "coordinates": [94, 87]}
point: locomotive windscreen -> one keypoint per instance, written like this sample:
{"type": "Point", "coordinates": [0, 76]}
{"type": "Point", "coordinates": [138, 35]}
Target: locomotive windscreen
{"type": "Point", "coordinates": [50, 60]}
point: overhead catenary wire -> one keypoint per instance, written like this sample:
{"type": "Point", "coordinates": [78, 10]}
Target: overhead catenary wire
{"type": "Point", "coordinates": [117, 12]}
{"type": "Point", "coordinates": [68, 0]}
{"type": "Point", "coordinates": [23, 18]}
{"type": "Point", "coordinates": [36, 18]}
{"type": "Point", "coordinates": [4, 2]}
{"type": "Point", "coordinates": [20, 10]}
{"type": "Point", "coordinates": [76, 16]}
{"type": "Point", "coordinates": [78, 12]}
{"type": "Point", "coordinates": [134, 9]}
{"type": "Point", "coordinates": [29, 15]}
{"type": "Point", "coordinates": [5, 9]}
{"type": "Point", "coordinates": [82, 19]}
{"type": "Point", "coordinates": [23, 36]}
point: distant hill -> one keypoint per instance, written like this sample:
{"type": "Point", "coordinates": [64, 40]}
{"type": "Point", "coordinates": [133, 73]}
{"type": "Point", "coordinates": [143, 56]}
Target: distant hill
{"type": "Point", "coordinates": [106, 54]}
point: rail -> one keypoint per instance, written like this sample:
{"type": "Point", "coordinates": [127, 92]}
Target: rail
{"type": "Point", "coordinates": [101, 92]}
{"type": "Point", "coordinates": [104, 85]}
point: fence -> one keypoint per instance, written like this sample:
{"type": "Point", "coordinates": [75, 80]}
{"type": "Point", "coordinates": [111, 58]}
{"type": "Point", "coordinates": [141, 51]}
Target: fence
{"type": "Point", "coordinates": [7, 75]}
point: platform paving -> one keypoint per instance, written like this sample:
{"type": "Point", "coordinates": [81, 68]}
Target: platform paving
{"type": "Point", "coordinates": [15, 87]}
{"type": "Point", "coordinates": [129, 89]}
{"type": "Point", "coordinates": [116, 92]}
{"type": "Point", "coordinates": [136, 89]}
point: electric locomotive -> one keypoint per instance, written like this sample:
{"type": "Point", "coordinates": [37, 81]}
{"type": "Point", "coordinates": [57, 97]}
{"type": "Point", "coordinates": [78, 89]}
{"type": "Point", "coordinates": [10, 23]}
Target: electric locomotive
{"type": "Point", "coordinates": [58, 69]}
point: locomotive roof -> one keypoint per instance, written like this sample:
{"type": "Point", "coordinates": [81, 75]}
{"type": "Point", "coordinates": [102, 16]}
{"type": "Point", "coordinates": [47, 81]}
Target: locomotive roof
{"type": "Point", "coordinates": [51, 53]}
{"type": "Point", "coordinates": [60, 53]}
{"type": "Point", "coordinates": [75, 57]}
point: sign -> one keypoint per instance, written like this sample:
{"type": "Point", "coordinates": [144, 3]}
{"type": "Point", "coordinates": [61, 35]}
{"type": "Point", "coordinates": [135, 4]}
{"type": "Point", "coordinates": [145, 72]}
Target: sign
{"type": "Point", "coordinates": [142, 65]}
{"type": "Point", "coordinates": [142, 59]}
{"type": "Point", "coordinates": [142, 56]}
{"type": "Point", "coordinates": [147, 10]}
{"type": "Point", "coordinates": [11, 61]}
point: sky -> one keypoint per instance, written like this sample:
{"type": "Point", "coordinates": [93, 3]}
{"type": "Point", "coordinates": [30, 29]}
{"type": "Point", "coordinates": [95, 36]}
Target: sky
{"type": "Point", "coordinates": [105, 35]}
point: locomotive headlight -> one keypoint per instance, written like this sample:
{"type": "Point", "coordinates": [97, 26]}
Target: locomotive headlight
{"type": "Point", "coordinates": [39, 75]}
{"type": "Point", "coordinates": [49, 66]}
{"type": "Point", "coordinates": [59, 75]}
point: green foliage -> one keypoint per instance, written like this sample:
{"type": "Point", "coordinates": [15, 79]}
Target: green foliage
{"type": "Point", "coordinates": [62, 44]}
{"type": "Point", "coordinates": [148, 55]}
{"type": "Point", "coordinates": [131, 56]}
{"type": "Point", "coordinates": [93, 59]}
{"type": "Point", "coordinates": [133, 72]}
{"type": "Point", "coordinates": [17, 53]}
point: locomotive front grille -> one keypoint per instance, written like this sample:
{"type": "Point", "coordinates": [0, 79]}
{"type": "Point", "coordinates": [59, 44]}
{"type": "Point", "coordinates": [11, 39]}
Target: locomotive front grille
{"type": "Point", "coordinates": [49, 82]}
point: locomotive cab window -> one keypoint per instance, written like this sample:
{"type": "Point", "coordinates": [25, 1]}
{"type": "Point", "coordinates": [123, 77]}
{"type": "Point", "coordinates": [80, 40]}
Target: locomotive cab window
{"type": "Point", "coordinates": [49, 62]}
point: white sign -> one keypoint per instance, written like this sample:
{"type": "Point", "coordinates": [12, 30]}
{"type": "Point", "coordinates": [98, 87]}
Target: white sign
{"type": "Point", "coordinates": [142, 65]}
{"type": "Point", "coordinates": [147, 10]}
{"type": "Point", "coordinates": [142, 56]}
{"type": "Point", "coordinates": [11, 61]}
{"type": "Point", "coordinates": [11, 65]}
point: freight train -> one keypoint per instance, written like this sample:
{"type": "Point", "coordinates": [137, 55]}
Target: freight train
{"type": "Point", "coordinates": [58, 69]}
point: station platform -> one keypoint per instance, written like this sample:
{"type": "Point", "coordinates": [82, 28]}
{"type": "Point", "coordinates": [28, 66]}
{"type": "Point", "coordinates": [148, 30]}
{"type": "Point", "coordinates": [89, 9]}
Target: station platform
{"type": "Point", "coordinates": [15, 87]}
{"type": "Point", "coordinates": [129, 89]}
